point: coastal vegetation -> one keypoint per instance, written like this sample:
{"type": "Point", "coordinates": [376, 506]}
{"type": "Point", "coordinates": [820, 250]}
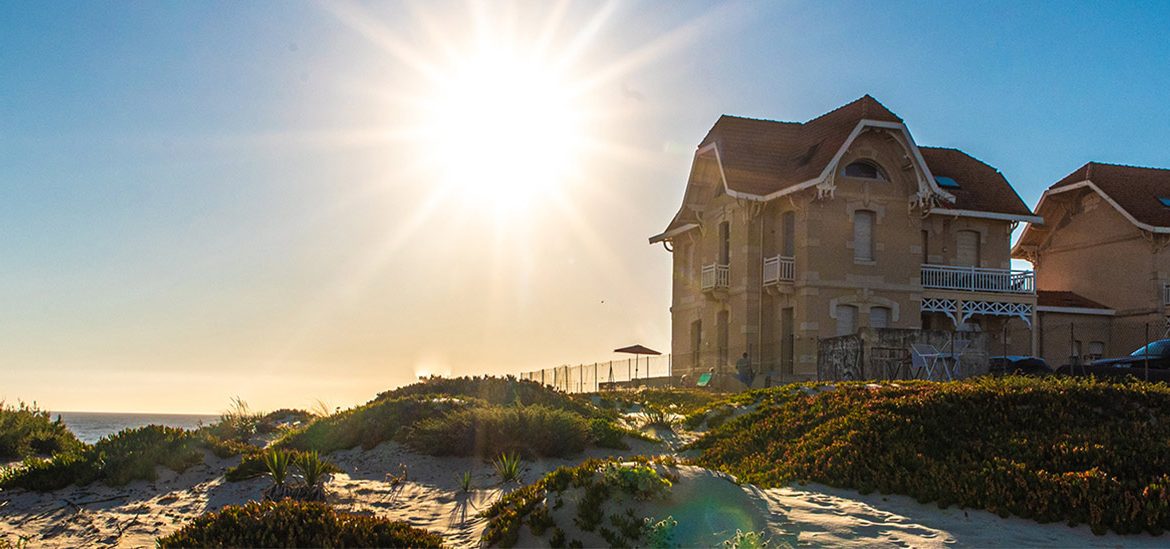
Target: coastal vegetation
{"type": "Point", "coordinates": [291, 523]}
{"type": "Point", "coordinates": [596, 485]}
{"type": "Point", "coordinates": [468, 416]}
{"type": "Point", "coordinates": [115, 460]}
{"type": "Point", "coordinates": [1056, 449]}
{"type": "Point", "coordinates": [27, 431]}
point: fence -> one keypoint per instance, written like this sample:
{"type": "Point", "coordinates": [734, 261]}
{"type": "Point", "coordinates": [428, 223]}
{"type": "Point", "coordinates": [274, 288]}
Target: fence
{"type": "Point", "coordinates": [595, 376]}
{"type": "Point", "coordinates": [885, 354]}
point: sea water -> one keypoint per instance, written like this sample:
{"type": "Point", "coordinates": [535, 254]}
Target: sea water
{"type": "Point", "coordinates": [91, 426]}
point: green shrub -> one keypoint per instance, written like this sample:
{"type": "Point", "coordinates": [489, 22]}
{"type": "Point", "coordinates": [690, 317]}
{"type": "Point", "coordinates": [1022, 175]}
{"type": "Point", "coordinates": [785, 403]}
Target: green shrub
{"type": "Point", "coordinates": [501, 391]}
{"type": "Point", "coordinates": [606, 433]}
{"type": "Point", "coordinates": [295, 524]}
{"type": "Point", "coordinates": [532, 431]}
{"type": "Point", "coordinates": [27, 431]}
{"type": "Point", "coordinates": [368, 425]}
{"type": "Point", "coordinates": [1050, 449]}
{"type": "Point", "coordinates": [131, 454]}
{"type": "Point", "coordinates": [599, 480]}
{"type": "Point", "coordinates": [507, 467]}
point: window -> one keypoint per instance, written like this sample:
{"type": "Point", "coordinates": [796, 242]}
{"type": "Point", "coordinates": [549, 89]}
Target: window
{"type": "Point", "coordinates": [787, 339]}
{"type": "Point", "coordinates": [946, 182]}
{"type": "Point", "coordinates": [967, 248]}
{"type": "Point", "coordinates": [879, 317]}
{"type": "Point", "coordinates": [788, 225]}
{"type": "Point", "coordinates": [1096, 349]}
{"type": "Point", "coordinates": [725, 243]}
{"type": "Point", "coordinates": [863, 169]}
{"type": "Point", "coordinates": [863, 235]}
{"type": "Point", "coordinates": [925, 247]}
{"type": "Point", "coordinates": [846, 320]}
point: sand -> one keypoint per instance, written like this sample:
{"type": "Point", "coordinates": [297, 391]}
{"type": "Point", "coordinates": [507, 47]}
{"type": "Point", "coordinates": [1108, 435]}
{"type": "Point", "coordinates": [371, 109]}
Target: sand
{"type": "Point", "coordinates": [429, 497]}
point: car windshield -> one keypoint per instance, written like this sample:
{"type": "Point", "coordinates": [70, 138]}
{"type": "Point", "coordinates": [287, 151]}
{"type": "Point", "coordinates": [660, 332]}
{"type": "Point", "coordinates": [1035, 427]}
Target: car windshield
{"type": "Point", "coordinates": [1157, 348]}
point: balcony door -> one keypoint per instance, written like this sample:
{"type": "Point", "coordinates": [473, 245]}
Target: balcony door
{"type": "Point", "coordinates": [967, 249]}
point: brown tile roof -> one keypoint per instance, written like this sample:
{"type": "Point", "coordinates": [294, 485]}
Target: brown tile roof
{"type": "Point", "coordinates": [1047, 298]}
{"type": "Point", "coordinates": [1133, 188]}
{"type": "Point", "coordinates": [761, 157]}
{"type": "Point", "coordinates": [981, 187]}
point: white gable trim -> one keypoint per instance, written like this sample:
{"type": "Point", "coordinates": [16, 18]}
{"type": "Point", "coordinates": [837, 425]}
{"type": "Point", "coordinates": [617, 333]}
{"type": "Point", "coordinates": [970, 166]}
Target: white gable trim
{"type": "Point", "coordinates": [831, 167]}
{"type": "Point", "coordinates": [673, 233]}
{"type": "Point", "coordinates": [1090, 185]}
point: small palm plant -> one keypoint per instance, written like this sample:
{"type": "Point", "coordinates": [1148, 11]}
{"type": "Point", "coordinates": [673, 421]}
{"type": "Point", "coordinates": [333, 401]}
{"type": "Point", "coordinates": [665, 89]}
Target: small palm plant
{"type": "Point", "coordinates": [465, 482]}
{"type": "Point", "coordinates": [507, 467]}
{"type": "Point", "coordinates": [277, 462]}
{"type": "Point", "coordinates": [314, 469]}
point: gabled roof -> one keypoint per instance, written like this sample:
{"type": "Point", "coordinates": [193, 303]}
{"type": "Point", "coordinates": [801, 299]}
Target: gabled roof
{"type": "Point", "coordinates": [981, 187]}
{"type": "Point", "coordinates": [761, 157]}
{"type": "Point", "coordinates": [1132, 189]}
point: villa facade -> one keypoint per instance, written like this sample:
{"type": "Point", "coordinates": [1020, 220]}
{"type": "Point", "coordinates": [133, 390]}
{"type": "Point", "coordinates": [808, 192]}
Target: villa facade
{"type": "Point", "coordinates": [793, 232]}
{"type": "Point", "coordinates": [1104, 247]}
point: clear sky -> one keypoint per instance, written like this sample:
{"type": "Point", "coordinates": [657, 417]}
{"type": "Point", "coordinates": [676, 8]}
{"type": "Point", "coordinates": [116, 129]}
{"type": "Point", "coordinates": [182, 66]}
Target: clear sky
{"type": "Point", "coordinates": [298, 201]}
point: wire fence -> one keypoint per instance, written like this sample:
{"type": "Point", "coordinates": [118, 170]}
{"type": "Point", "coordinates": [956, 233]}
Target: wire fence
{"type": "Point", "coordinates": [596, 376]}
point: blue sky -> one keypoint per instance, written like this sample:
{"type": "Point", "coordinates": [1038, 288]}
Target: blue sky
{"type": "Point", "coordinates": [200, 195]}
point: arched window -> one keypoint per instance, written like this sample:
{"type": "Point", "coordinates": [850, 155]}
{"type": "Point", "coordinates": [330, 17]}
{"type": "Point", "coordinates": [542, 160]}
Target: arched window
{"type": "Point", "coordinates": [864, 169]}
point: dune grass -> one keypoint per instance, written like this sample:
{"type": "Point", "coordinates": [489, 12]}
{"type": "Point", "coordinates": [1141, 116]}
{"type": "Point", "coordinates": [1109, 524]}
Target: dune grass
{"type": "Point", "coordinates": [1053, 449]}
{"type": "Point", "coordinates": [27, 431]}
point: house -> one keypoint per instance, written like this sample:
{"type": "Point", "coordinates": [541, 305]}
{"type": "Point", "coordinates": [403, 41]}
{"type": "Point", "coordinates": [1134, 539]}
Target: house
{"type": "Point", "coordinates": [1103, 246]}
{"type": "Point", "coordinates": [793, 232]}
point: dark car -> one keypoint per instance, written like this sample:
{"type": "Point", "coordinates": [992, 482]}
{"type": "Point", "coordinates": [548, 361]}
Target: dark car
{"type": "Point", "coordinates": [1018, 365]}
{"type": "Point", "coordinates": [1149, 362]}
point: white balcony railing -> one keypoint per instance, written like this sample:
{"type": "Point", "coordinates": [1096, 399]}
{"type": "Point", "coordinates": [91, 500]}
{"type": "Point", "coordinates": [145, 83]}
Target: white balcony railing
{"type": "Point", "coordinates": [715, 276]}
{"type": "Point", "coordinates": [779, 269]}
{"type": "Point", "coordinates": [977, 279]}
{"type": "Point", "coordinates": [1166, 294]}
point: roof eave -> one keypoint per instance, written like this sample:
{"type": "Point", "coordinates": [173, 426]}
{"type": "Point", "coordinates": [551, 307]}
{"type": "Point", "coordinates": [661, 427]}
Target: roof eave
{"type": "Point", "coordinates": [987, 215]}
{"type": "Point", "coordinates": [672, 233]}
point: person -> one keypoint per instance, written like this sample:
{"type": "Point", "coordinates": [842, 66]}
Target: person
{"type": "Point", "coordinates": [743, 369]}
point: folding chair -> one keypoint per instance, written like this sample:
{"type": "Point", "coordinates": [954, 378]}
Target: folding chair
{"type": "Point", "coordinates": [952, 365]}
{"type": "Point", "coordinates": [923, 358]}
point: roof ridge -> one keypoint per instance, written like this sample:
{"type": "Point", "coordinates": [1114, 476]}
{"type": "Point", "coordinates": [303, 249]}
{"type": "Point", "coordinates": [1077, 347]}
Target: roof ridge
{"type": "Point", "coordinates": [865, 102]}
{"type": "Point", "coordinates": [1090, 164]}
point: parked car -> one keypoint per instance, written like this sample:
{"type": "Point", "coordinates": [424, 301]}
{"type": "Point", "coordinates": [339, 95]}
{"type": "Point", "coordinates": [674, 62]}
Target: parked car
{"type": "Point", "coordinates": [1154, 356]}
{"type": "Point", "coordinates": [1018, 365]}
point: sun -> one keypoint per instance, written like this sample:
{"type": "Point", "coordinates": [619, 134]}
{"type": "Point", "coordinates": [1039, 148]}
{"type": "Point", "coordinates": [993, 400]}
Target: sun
{"type": "Point", "coordinates": [503, 128]}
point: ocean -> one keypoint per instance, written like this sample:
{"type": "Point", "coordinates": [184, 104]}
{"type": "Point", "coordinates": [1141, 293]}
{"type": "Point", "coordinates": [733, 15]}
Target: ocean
{"type": "Point", "coordinates": [91, 426]}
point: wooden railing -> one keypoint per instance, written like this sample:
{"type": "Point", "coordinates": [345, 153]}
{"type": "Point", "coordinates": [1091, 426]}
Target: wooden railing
{"type": "Point", "coordinates": [715, 276]}
{"type": "Point", "coordinates": [978, 279]}
{"type": "Point", "coordinates": [779, 269]}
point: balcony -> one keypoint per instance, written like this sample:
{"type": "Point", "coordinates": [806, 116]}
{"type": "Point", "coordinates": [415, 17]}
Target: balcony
{"type": "Point", "coordinates": [976, 279]}
{"type": "Point", "coordinates": [779, 269]}
{"type": "Point", "coordinates": [715, 277]}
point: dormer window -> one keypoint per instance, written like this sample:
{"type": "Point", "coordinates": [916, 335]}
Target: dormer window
{"type": "Point", "coordinates": [864, 169]}
{"type": "Point", "coordinates": [946, 182]}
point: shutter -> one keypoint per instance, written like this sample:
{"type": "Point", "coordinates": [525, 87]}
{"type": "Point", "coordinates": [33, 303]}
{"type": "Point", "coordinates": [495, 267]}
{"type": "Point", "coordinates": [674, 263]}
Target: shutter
{"type": "Point", "coordinates": [879, 317]}
{"type": "Point", "coordinates": [967, 248]}
{"type": "Point", "coordinates": [863, 235]}
{"type": "Point", "coordinates": [846, 320]}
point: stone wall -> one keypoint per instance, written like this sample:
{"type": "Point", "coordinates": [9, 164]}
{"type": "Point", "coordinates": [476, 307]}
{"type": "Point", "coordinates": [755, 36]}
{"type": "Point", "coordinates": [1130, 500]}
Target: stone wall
{"type": "Point", "coordinates": [884, 354]}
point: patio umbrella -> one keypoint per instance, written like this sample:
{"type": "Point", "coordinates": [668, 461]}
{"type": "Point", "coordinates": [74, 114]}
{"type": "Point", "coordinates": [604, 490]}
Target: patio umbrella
{"type": "Point", "coordinates": [637, 350]}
